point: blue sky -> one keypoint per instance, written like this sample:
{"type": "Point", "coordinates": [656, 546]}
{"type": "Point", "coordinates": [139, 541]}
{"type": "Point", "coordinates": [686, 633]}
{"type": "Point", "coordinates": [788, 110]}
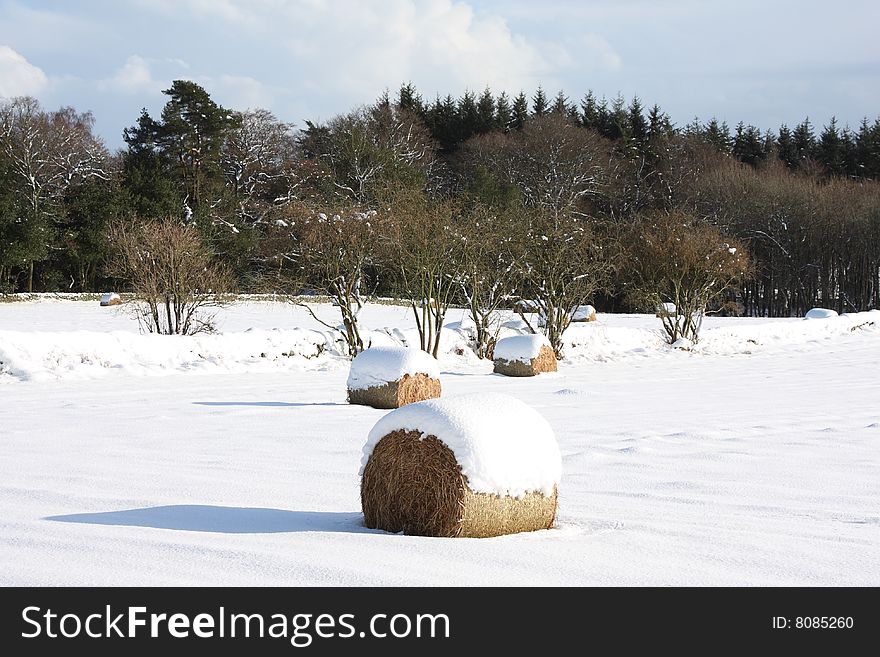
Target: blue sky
{"type": "Point", "coordinates": [761, 62]}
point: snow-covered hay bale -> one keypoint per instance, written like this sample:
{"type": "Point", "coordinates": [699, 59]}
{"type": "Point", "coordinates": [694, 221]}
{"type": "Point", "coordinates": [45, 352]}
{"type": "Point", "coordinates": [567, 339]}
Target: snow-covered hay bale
{"type": "Point", "coordinates": [110, 299]}
{"type": "Point", "coordinates": [584, 314]}
{"type": "Point", "coordinates": [524, 355]}
{"type": "Point", "coordinates": [667, 310]}
{"type": "Point", "coordinates": [390, 377]}
{"type": "Point", "coordinates": [473, 466]}
{"type": "Point", "coordinates": [820, 313]}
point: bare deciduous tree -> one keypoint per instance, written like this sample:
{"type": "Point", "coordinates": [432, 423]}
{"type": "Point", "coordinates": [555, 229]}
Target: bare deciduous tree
{"type": "Point", "coordinates": [371, 147]}
{"type": "Point", "coordinates": [260, 159]}
{"type": "Point", "coordinates": [486, 271]}
{"type": "Point", "coordinates": [420, 247]}
{"type": "Point", "coordinates": [334, 250]}
{"type": "Point", "coordinates": [564, 261]}
{"type": "Point", "coordinates": [172, 273]}
{"type": "Point", "coordinates": [555, 164]}
{"type": "Point", "coordinates": [677, 258]}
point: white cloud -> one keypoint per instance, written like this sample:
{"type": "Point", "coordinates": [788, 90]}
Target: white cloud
{"type": "Point", "coordinates": [133, 77]}
{"type": "Point", "coordinates": [18, 77]}
{"type": "Point", "coordinates": [139, 75]}
{"type": "Point", "coordinates": [238, 91]}
{"type": "Point", "coordinates": [355, 48]}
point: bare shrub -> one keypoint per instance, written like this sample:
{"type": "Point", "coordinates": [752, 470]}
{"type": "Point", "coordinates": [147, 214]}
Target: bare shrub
{"type": "Point", "coordinates": [486, 272]}
{"type": "Point", "coordinates": [564, 261]}
{"type": "Point", "coordinates": [172, 273]}
{"type": "Point", "coordinates": [420, 248]}
{"type": "Point", "coordinates": [335, 249]}
{"type": "Point", "coordinates": [677, 258]}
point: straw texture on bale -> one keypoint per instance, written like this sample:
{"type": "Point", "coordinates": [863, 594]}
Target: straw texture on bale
{"type": "Point", "coordinates": [545, 361]}
{"type": "Point", "coordinates": [414, 485]}
{"type": "Point", "coordinates": [408, 389]}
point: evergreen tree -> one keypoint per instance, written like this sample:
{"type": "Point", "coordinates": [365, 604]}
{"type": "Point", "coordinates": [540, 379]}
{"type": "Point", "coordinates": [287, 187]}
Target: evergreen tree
{"type": "Point", "coordinates": [486, 119]}
{"type": "Point", "coordinates": [785, 147]}
{"type": "Point", "coordinates": [718, 135]}
{"type": "Point", "coordinates": [520, 111]}
{"type": "Point", "coordinates": [561, 106]}
{"type": "Point", "coordinates": [539, 102]}
{"type": "Point", "coordinates": [850, 154]}
{"type": "Point", "coordinates": [409, 99]}
{"type": "Point", "coordinates": [748, 144]}
{"type": "Point", "coordinates": [503, 112]}
{"type": "Point", "coordinates": [659, 124]}
{"type": "Point", "coordinates": [589, 111]}
{"type": "Point", "coordinates": [768, 146]}
{"type": "Point", "coordinates": [615, 122]}
{"type": "Point", "coordinates": [188, 140]}
{"type": "Point", "coordinates": [694, 128]}
{"type": "Point", "coordinates": [637, 127]}
{"type": "Point", "coordinates": [442, 120]}
{"type": "Point", "coordinates": [468, 117]}
{"type": "Point", "coordinates": [831, 149]}
{"type": "Point", "coordinates": [804, 142]}
{"type": "Point", "coordinates": [20, 240]}
{"type": "Point", "coordinates": [659, 133]}
{"type": "Point", "coordinates": [867, 148]}
{"type": "Point", "coordinates": [88, 209]}
{"type": "Point", "coordinates": [604, 119]}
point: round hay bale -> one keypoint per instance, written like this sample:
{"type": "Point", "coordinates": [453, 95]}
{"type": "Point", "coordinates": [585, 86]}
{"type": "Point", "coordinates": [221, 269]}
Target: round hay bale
{"type": "Point", "coordinates": [584, 314]}
{"type": "Point", "coordinates": [390, 377]}
{"type": "Point", "coordinates": [110, 299]}
{"type": "Point", "coordinates": [524, 355]}
{"type": "Point", "coordinates": [666, 310]}
{"type": "Point", "coordinates": [473, 466]}
{"type": "Point", "coordinates": [394, 394]}
{"type": "Point", "coordinates": [820, 313]}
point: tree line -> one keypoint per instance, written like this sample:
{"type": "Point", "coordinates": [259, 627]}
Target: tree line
{"type": "Point", "coordinates": [477, 200]}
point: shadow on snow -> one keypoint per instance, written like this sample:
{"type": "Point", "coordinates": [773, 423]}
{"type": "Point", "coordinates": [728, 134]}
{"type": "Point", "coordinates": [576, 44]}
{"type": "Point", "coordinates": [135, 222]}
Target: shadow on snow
{"type": "Point", "coordinates": [266, 403]}
{"type": "Point", "coordinates": [224, 519]}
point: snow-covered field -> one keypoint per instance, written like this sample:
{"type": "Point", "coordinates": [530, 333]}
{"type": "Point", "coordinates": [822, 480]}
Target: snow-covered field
{"type": "Point", "coordinates": [233, 458]}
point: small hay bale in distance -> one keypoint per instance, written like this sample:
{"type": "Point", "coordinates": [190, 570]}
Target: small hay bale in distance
{"type": "Point", "coordinates": [110, 299]}
{"type": "Point", "coordinates": [390, 377]}
{"type": "Point", "coordinates": [583, 314]}
{"type": "Point", "coordinates": [820, 313]}
{"type": "Point", "coordinates": [667, 310]}
{"type": "Point", "coordinates": [524, 355]}
{"type": "Point", "coordinates": [473, 466]}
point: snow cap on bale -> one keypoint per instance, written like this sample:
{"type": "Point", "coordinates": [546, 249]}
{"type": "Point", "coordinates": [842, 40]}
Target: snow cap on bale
{"type": "Point", "coordinates": [820, 313]}
{"type": "Point", "coordinates": [503, 446]}
{"type": "Point", "coordinates": [381, 365]}
{"type": "Point", "coordinates": [583, 314]}
{"type": "Point", "coordinates": [520, 348]}
{"type": "Point", "coordinates": [473, 466]}
{"type": "Point", "coordinates": [110, 299]}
